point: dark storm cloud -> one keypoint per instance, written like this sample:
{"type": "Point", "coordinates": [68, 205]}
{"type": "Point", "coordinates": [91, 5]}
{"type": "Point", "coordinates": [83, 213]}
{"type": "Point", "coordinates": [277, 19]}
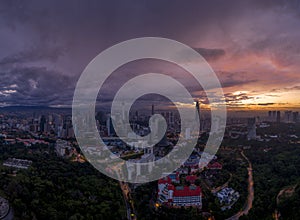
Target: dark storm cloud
{"type": "Point", "coordinates": [63, 36]}
{"type": "Point", "coordinates": [35, 86]}
{"type": "Point", "coordinates": [111, 21]}
{"type": "Point", "coordinates": [32, 55]}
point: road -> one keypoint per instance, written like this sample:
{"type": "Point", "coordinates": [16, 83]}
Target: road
{"type": "Point", "coordinates": [131, 214]}
{"type": "Point", "coordinates": [289, 192]}
{"type": "Point", "coordinates": [10, 215]}
{"type": "Point", "coordinates": [250, 198]}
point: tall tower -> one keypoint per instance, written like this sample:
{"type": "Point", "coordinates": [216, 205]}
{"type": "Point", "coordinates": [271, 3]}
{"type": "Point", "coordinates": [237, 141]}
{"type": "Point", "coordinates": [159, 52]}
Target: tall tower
{"type": "Point", "coordinates": [42, 123]}
{"type": "Point", "coordinates": [197, 110]}
{"type": "Point", "coordinates": [251, 129]}
{"type": "Point", "coordinates": [152, 110]}
{"type": "Point", "coordinates": [197, 116]}
{"type": "Point", "coordinates": [109, 126]}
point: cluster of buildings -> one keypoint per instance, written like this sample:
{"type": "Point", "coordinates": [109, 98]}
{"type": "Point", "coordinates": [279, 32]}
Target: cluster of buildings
{"type": "Point", "coordinates": [58, 124]}
{"type": "Point", "coordinates": [46, 124]}
{"type": "Point", "coordinates": [194, 164]}
{"type": "Point", "coordinates": [245, 130]}
{"type": "Point", "coordinates": [227, 197]}
{"type": "Point", "coordinates": [62, 147]}
{"type": "Point", "coordinates": [181, 189]}
{"type": "Point", "coordinates": [137, 168]}
{"type": "Point", "coordinates": [178, 195]}
{"type": "Point", "coordinates": [287, 117]}
{"type": "Point", "coordinates": [246, 127]}
{"type": "Point", "coordinates": [26, 142]}
{"type": "Point", "coordinates": [17, 163]}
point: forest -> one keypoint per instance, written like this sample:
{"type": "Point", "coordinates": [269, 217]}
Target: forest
{"type": "Point", "coordinates": [55, 188]}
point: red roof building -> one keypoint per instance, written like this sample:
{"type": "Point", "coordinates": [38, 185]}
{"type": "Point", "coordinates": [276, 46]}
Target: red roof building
{"type": "Point", "coordinates": [187, 196]}
{"type": "Point", "coordinates": [215, 166]}
{"type": "Point", "coordinates": [180, 195]}
{"type": "Point", "coordinates": [191, 178]}
{"type": "Point", "coordinates": [165, 180]}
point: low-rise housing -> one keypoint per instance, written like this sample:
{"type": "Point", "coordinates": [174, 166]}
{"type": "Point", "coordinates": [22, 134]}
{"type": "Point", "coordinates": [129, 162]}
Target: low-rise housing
{"type": "Point", "coordinates": [17, 163]}
{"type": "Point", "coordinates": [214, 166]}
{"type": "Point", "coordinates": [227, 197]}
{"type": "Point", "coordinates": [61, 147]}
{"type": "Point", "coordinates": [178, 196]}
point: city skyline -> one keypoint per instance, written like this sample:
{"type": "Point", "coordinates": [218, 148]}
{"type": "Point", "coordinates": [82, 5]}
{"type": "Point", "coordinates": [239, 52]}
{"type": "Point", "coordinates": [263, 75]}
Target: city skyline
{"type": "Point", "coordinates": [149, 109]}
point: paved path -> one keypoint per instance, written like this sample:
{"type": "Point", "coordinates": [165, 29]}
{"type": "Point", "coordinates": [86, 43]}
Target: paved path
{"type": "Point", "coordinates": [250, 198]}
{"type": "Point", "coordinates": [131, 213]}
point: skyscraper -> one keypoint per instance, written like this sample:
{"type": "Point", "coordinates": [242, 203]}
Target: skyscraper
{"type": "Point", "coordinates": [278, 117]}
{"type": "Point", "coordinates": [42, 123]}
{"type": "Point", "coordinates": [197, 116]}
{"type": "Point", "coordinates": [197, 110]}
{"type": "Point", "coordinates": [288, 116]}
{"type": "Point", "coordinates": [295, 117]}
{"type": "Point", "coordinates": [270, 115]}
{"type": "Point", "coordinates": [251, 129]}
{"type": "Point", "coordinates": [109, 126]}
{"type": "Point", "coordinates": [152, 110]}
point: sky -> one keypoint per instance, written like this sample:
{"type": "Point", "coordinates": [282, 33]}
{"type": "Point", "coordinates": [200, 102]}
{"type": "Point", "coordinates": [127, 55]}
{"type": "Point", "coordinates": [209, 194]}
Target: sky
{"type": "Point", "coordinates": [253, 47]}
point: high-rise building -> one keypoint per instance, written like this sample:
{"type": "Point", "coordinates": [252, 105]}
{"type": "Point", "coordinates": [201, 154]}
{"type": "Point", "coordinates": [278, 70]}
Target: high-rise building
{"type": "Point", "coordinates": [109, 126]}
{"type": "Point", "coordinates": [251, 129]}
{"type": "Point", "coordinates": [288, 116]}
{"type": "Point", "coordinates": [169, 117]}
{"type": "Point", "coordinates": [197, 116]}
{"type": "Point", "coordinates": [152, 110]}
{"type": "Point", "coordinates": [295, 117]}
{"type": "Point", "coordinates": [278, 117]}
{"type": "Point", "coordinates": [270, 115]}
{"type": "Point", "coordinates": [42, 123]}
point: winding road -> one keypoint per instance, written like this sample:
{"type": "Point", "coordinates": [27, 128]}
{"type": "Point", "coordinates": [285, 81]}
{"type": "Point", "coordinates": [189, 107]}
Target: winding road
{"type": "Point", "coordinates": [250, 198]}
